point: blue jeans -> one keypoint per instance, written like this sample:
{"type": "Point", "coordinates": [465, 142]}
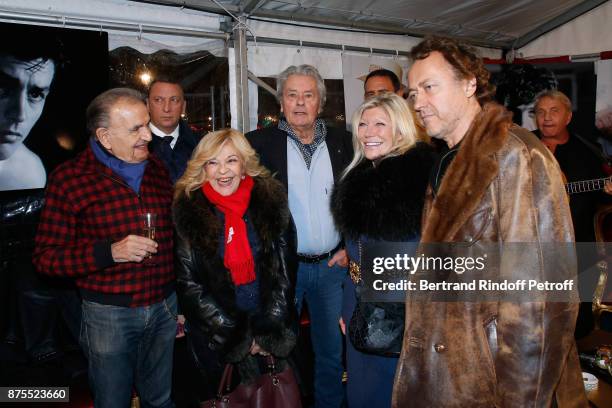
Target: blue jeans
{"type": "Point", "coordinates": [321, 286]}
{"type": "Point", "coordinates": [130, 346]}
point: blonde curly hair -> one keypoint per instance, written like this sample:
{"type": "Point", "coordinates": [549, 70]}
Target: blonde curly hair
{"type": "Point", "coordinates": [208, 148]}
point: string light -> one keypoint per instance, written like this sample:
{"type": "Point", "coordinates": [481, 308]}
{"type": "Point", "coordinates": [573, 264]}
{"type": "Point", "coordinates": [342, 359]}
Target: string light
{"type": "Point", "coordinates": [146, 78]}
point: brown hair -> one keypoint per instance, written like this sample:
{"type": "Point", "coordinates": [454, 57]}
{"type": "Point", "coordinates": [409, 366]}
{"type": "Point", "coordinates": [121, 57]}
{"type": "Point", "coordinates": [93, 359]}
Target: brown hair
{"type": "Point", "coordinates": [465, 62]}
{"type": "Point", "coordinates": [165, 78]}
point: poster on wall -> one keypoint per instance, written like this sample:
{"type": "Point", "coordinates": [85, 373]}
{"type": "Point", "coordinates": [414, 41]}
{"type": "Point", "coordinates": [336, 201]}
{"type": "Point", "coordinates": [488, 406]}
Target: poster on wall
{"type": "Point", "coordinates": [355, 68]}
{"type": "Point", "coordinates": [47, 78]}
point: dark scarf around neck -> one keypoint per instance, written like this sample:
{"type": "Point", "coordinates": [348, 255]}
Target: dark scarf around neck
{"type": "Point", "coordinates": [131, 173]}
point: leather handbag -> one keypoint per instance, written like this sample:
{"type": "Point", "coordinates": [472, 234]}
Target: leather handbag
{"type": "Point", "coordinates": [377, 328]}
{"type": "Point", "coordinates": [269, 390]}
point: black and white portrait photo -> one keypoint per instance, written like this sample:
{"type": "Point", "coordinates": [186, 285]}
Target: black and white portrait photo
{"type": "Point", "coordinates": [47, 77]}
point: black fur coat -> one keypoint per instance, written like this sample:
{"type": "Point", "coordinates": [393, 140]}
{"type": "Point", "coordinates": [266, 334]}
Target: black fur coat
{"type": "Point", "coordinates": [205, 288]}
{"type": "Point", "coordinates": [381, 201]}
{"type": "Point", "coordinates": [385, 201]}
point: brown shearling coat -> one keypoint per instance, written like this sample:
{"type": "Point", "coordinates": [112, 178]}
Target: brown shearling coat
{"type": "Point", "coordinates": [503, 186]}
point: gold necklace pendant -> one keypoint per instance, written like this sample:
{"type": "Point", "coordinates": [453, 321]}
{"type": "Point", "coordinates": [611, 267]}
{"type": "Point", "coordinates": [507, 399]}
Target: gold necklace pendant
{"type": "Point", "coordinates": [355, 272]}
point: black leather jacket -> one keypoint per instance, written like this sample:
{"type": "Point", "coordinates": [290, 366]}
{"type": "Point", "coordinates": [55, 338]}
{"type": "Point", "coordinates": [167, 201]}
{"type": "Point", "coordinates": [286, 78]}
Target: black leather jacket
{"type": "Point", "coordinates": [204, 286]}
{"type": "Point", "coordinates": [19, 215]}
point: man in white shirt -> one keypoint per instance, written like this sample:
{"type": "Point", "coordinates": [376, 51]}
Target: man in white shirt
{"type": "Point", "coordinates": [173, 141]}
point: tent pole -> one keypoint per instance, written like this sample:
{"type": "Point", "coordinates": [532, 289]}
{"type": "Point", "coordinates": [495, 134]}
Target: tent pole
{"type": "Point", "coordinates": [262, 84]}
{"type": "Point", "coordinates": [242, 77]}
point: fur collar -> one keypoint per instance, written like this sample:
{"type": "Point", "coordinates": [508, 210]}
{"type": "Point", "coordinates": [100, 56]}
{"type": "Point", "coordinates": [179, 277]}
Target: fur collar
{"type": "Point", "coordinates": [197, 223]}
{"type": "Point", "coordinates": [386, 201]}
{"type": "Point", "coordinates": [469, 175]}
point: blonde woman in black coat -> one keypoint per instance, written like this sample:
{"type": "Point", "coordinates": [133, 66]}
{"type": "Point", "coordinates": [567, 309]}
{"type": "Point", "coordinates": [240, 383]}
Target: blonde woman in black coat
{"type": "Point", "coordinates": [235, 271]}
{"type": "Point", "coordinates": [379, 198]}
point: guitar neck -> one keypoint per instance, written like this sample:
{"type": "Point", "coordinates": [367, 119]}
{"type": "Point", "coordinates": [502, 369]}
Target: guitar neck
{"type": "Point", "coordinates": [585, 186]}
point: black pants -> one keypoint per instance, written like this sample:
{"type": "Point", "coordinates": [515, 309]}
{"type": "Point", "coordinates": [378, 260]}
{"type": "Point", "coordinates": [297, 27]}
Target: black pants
{"type": "Point", "coordinates": [40, 309]}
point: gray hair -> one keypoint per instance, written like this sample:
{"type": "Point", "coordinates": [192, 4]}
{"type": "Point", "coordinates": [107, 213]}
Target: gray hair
{"type": "Point", "coordinates": [98, 111]}
{"type": "Point", "coordinates": [303, 69]}
{"type": "Point", "coordinates": [553, 94]}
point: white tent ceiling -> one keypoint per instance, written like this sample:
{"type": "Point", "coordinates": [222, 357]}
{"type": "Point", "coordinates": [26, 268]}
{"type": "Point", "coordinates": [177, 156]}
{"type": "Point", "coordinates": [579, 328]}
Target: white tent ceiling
{"type": "Point", "coordinates": [146, 27]}
{"type": "Point", "coordinates": [589, 33]}
{"type": "Point", "coordinates": [495, 24]}
{"type": "Point", "coordinates": [534, 28]}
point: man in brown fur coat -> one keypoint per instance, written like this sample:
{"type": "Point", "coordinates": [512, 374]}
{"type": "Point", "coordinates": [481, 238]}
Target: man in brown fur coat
{"type": "Point", "coordinates": [496, 183]}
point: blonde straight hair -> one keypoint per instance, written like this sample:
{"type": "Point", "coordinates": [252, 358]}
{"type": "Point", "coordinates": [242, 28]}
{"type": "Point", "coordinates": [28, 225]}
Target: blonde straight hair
{"type": "Point", "coordinates": [405, 131]}
{"type": "Point", "coordinates": [208, 148]}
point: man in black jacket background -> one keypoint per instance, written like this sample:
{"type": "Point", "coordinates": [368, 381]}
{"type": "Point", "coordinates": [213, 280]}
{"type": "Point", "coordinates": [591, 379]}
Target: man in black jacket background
{"type": "Point", "coordinates": [173, 141]}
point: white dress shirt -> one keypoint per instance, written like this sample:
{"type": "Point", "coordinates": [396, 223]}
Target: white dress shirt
{"type": "Point", "coordinates": [160, 133]}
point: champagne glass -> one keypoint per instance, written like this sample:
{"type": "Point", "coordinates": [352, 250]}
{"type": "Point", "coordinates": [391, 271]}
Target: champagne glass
{"type": "Point", "coordinates": [148, 222]}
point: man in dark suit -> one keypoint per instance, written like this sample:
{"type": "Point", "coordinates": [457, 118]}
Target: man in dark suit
{"type": "Point", "coordinates": [308, 157]}
{"type": "Point", "coordinates": [173, 141]}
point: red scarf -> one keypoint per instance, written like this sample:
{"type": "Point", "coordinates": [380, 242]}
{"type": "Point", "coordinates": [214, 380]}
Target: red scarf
{"type": "Point", "coordinates": [238, 256]}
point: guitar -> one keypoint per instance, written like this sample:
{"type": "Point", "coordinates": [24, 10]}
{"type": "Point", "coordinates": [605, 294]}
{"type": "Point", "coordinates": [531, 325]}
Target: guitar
{"type": "Point", "coordinates": [584, 186]}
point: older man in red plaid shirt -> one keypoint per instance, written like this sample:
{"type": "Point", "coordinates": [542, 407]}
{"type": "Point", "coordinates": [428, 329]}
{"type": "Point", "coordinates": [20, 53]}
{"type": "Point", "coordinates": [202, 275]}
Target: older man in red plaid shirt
{"type": "Point", "coordinates": [91, 230]}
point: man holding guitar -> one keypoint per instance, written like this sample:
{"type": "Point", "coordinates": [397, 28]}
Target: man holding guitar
{"type": "Point", "coordinates": [576, 157]}
{"type": "Point", "coordinates": [581, 164]}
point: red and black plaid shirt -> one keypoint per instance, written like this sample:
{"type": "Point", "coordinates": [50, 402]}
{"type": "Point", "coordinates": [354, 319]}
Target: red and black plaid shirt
{"type": "Point", "coordinates": [87, 208]}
